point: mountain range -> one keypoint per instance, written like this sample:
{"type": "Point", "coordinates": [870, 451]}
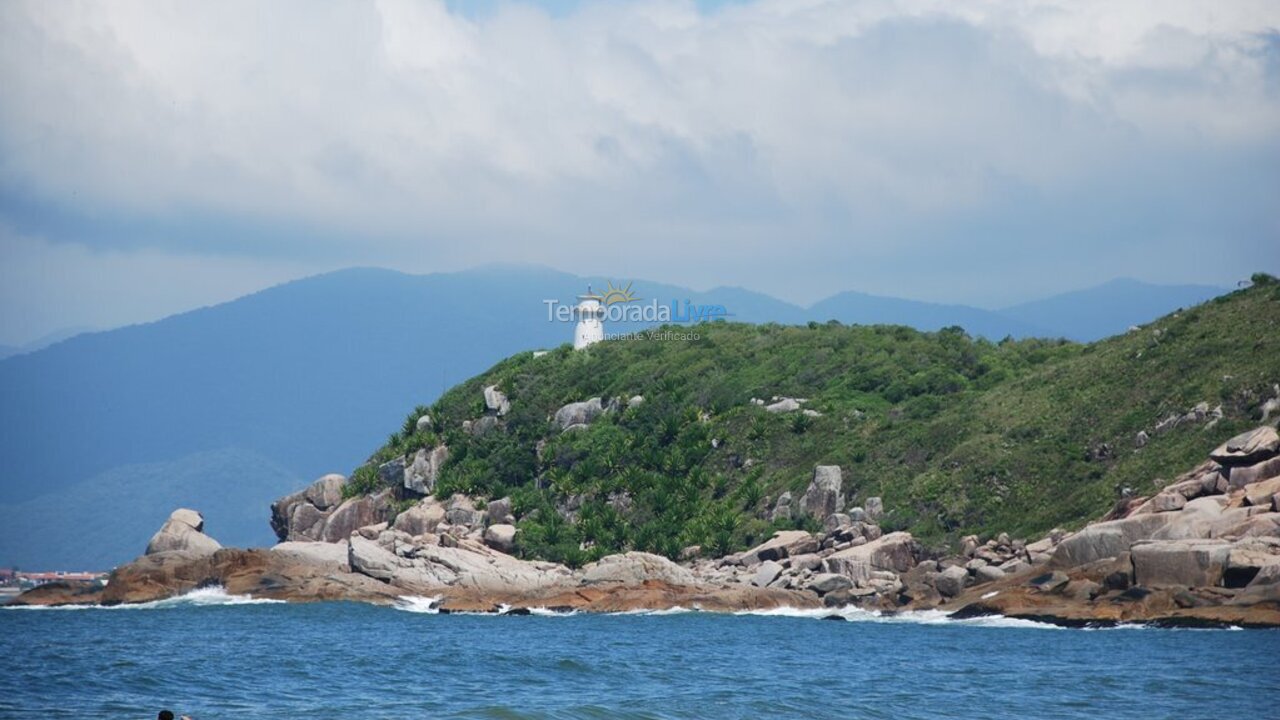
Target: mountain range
{"type": "Point", "coordinates": [225, 408]}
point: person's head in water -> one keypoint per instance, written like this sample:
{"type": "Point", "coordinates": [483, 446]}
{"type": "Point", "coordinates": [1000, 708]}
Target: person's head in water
{"type": "Point", "coordinates": [165, 715]}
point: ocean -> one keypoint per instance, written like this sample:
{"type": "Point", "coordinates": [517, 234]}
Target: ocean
{"type": "Point", "coordinates": [210, 655]}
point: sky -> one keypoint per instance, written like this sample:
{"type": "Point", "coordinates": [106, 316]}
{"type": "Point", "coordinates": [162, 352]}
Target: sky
{"type": "Point", "coordinates": [158, 156]}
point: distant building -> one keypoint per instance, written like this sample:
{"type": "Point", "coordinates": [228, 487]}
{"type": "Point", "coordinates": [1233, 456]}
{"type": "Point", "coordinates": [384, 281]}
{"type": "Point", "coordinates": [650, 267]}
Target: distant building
{"type": "Point", "coordinates": [590, 327]}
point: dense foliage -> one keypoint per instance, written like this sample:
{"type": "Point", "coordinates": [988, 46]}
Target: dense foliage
{"type": "Point", "coordinates": [957, 434]}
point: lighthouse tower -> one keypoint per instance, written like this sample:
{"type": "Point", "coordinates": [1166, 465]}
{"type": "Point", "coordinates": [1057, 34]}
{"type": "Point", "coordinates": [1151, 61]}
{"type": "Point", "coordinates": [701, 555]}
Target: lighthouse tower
{"type": "Point", "coordinates": [590, 328]}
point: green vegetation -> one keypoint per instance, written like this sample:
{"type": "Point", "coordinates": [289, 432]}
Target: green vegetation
{"type": "Point", "coordinates": [957, 435]}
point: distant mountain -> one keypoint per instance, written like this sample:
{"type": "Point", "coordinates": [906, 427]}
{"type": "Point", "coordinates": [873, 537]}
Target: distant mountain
{"type": "Point", "coordinates": [863, 309]}
{"type": "Point", "coordinates": [227, 407]}
{"type": "Point", "coordinates": [43, 342]}
{"type": "Point", "coordinates": [1108, 309]}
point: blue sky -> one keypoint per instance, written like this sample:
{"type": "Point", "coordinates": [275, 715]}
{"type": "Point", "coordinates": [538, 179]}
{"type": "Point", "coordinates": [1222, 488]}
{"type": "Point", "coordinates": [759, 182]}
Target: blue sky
{"type": "Point", "coordinates": [158, 156]}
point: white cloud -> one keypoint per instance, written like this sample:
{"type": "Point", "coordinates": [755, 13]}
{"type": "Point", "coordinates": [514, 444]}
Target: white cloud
{"type": "Point", "coordinates": [829, 145]}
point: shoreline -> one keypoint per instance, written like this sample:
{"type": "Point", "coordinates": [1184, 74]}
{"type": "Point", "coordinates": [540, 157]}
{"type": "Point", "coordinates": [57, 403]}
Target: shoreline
{"type": "Point", "coordinates": [1204, 551]}
{"type": "Point", "coordinates": [216, 596]}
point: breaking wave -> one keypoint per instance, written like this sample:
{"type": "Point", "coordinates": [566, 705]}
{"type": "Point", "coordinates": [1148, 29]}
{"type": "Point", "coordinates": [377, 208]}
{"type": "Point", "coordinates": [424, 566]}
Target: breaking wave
{"type": "Point", "coordinates": [211, 596]}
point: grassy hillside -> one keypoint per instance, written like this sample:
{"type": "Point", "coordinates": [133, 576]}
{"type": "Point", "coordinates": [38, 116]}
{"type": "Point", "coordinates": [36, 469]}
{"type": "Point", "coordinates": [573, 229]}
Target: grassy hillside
{"type": "Point", "coordinates": [957, 434]}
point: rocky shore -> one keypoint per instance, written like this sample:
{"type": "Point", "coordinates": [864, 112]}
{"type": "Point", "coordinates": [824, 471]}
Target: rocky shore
{"type": "Point", "coordinates": [1203, 551]}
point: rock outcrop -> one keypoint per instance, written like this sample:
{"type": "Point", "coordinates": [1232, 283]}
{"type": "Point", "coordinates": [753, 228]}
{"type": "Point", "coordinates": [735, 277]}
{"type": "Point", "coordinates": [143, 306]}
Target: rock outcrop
{"type": "Point", "coordinates": [1248, 448]}
{"type": "Point", "coordinates": [823, 496]}
{"type": "Point", "coordinates": [183, 532]}
{"type": "Point", "coordinates": [1203, 550]}
{"type": "Point", "coordinates": [636, 568]}
{"type": "Point", "coordinates": [894, 553]}
{"type": "Point", "coordinates": [495, 401]}
{"type": "Point", "coordinates": [318, 512]}
{"type": "Point", "coordinates": [579, 413]}
{"type": "Point", "coordinates": [423, 470]}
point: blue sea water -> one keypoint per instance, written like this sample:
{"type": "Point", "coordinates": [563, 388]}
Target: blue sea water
{"type": "Point", "coordinates": [214, 656]}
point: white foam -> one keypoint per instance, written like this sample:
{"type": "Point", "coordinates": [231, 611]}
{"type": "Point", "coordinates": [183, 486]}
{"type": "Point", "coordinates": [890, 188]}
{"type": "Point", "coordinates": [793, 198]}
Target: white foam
{"type": "Point", "coordinates": [677, 610]}
{"type": "Point", "coordinates": [200, 597]}
{"type": "Point", "coordinates": [548, 612]}
{"type": "Point", "coordinates": [208, 596]}
{"type": "Point", "coordinates": [418, 604]}
{"type": "Point", "coordinates": [914, 617]}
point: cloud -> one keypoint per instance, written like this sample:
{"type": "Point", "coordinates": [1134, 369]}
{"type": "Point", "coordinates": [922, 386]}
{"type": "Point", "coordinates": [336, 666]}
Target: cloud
{"type": "Point", "coordinates": [948, 149]}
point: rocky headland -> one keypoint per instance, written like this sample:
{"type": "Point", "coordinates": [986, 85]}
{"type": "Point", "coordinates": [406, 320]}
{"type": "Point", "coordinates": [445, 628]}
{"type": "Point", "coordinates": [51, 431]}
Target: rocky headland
{"type": "Point", "coordinates": [1202, 551]}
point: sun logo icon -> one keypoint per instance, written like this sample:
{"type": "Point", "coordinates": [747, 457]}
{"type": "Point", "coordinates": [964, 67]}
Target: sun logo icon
{"type": "Point", "coordinates": [613, 295]}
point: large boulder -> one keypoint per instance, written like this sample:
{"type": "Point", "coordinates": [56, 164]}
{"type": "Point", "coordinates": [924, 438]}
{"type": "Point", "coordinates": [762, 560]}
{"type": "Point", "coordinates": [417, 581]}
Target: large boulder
{"type": "Point", "coordinates": [1262, 494]}
{"type": "Point", "coordinates": [183, 532]}
{"type": "Point", "coordinates": [296, 516]}
{"type": "Point", "coordinates": [785, 405]}
{"type": "Point", "coordinates": [988, 573]}
{"type": "Point", "coordinates": [500, 537]}
{"type": "Point", "coordinates": [1191, 563]}
{"type": "Point", "coordinates": [461, 510]}
{"type": "Point", "coordinates": [766, 573]}
{"type": "Point", "coordinates": [1103, 540]}
{"type": "Point", "coordinates": [326, 492]}
{"type": "Point", "coordinates": [823, 496]}
{"type": "Point", "coordinates": [424, 469]}
{"type": "Point", "coordinates": [368, 557]}
{"type": "Point", "coordinates": [824, 583]}
{"type": "Point", "coordinates": [951, 581]}
{"type": "Point", "coordinates": [495, 401]}
{"type": "Point", "coordinates": [1242, 522]}
{"type": "Point", "coordinates": [471, 564]}
{"type": "Point", "coordinates": [782, 508]}
{"type": "Point", "coordinates": [634, 568]}
{"type": "Point", "coordinates": [391, 472]}
{"type": "Point", "coordinates": [499, 511]}
{"type": "Point", "coordinates": [1242, 475]}
{"type": "Point", "coordinates": [355, 513]}
{"type": "Point", "coordinates": [327, 557]}
{"type": "Point", "coordinates": [579, 413]}
{"type": "Point", "coordinates": [784, 543]}
{"type": "Point", "coordinates": [1249, 447]}
{"type": "Point", "coordinates": [421, 519]}
{"type": "Point", "coordinates": [895, 552]}
{"type": "Point", "coordinates": [1167, 502]}
{"type": "Point", "coordinates": [1249, 558]}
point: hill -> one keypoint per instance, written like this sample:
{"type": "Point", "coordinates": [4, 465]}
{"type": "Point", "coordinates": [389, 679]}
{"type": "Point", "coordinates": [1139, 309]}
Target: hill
{"type": "Point", "coordinates": [284, 385]}
{"type": "Point", "coordinates": [957, 435]}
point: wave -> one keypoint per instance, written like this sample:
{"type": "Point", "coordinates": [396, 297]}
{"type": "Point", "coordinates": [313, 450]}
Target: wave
{"type": "Point", "coordinates": [677, 610]}
{"type": "Point", "coordinates": [216, 596]}
{"type": "Point", "coordinates": [913, 617]}
{"type": "Point", "coordinates": [418, 604]}
{"type": "Point", "coordinates": [212, 596]}
{"type": "Point", "coordinates": [548, 612]}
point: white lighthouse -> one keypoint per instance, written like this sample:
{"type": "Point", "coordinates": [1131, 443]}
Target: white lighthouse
{"type": "Point", "coordinates": [590, 327]}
